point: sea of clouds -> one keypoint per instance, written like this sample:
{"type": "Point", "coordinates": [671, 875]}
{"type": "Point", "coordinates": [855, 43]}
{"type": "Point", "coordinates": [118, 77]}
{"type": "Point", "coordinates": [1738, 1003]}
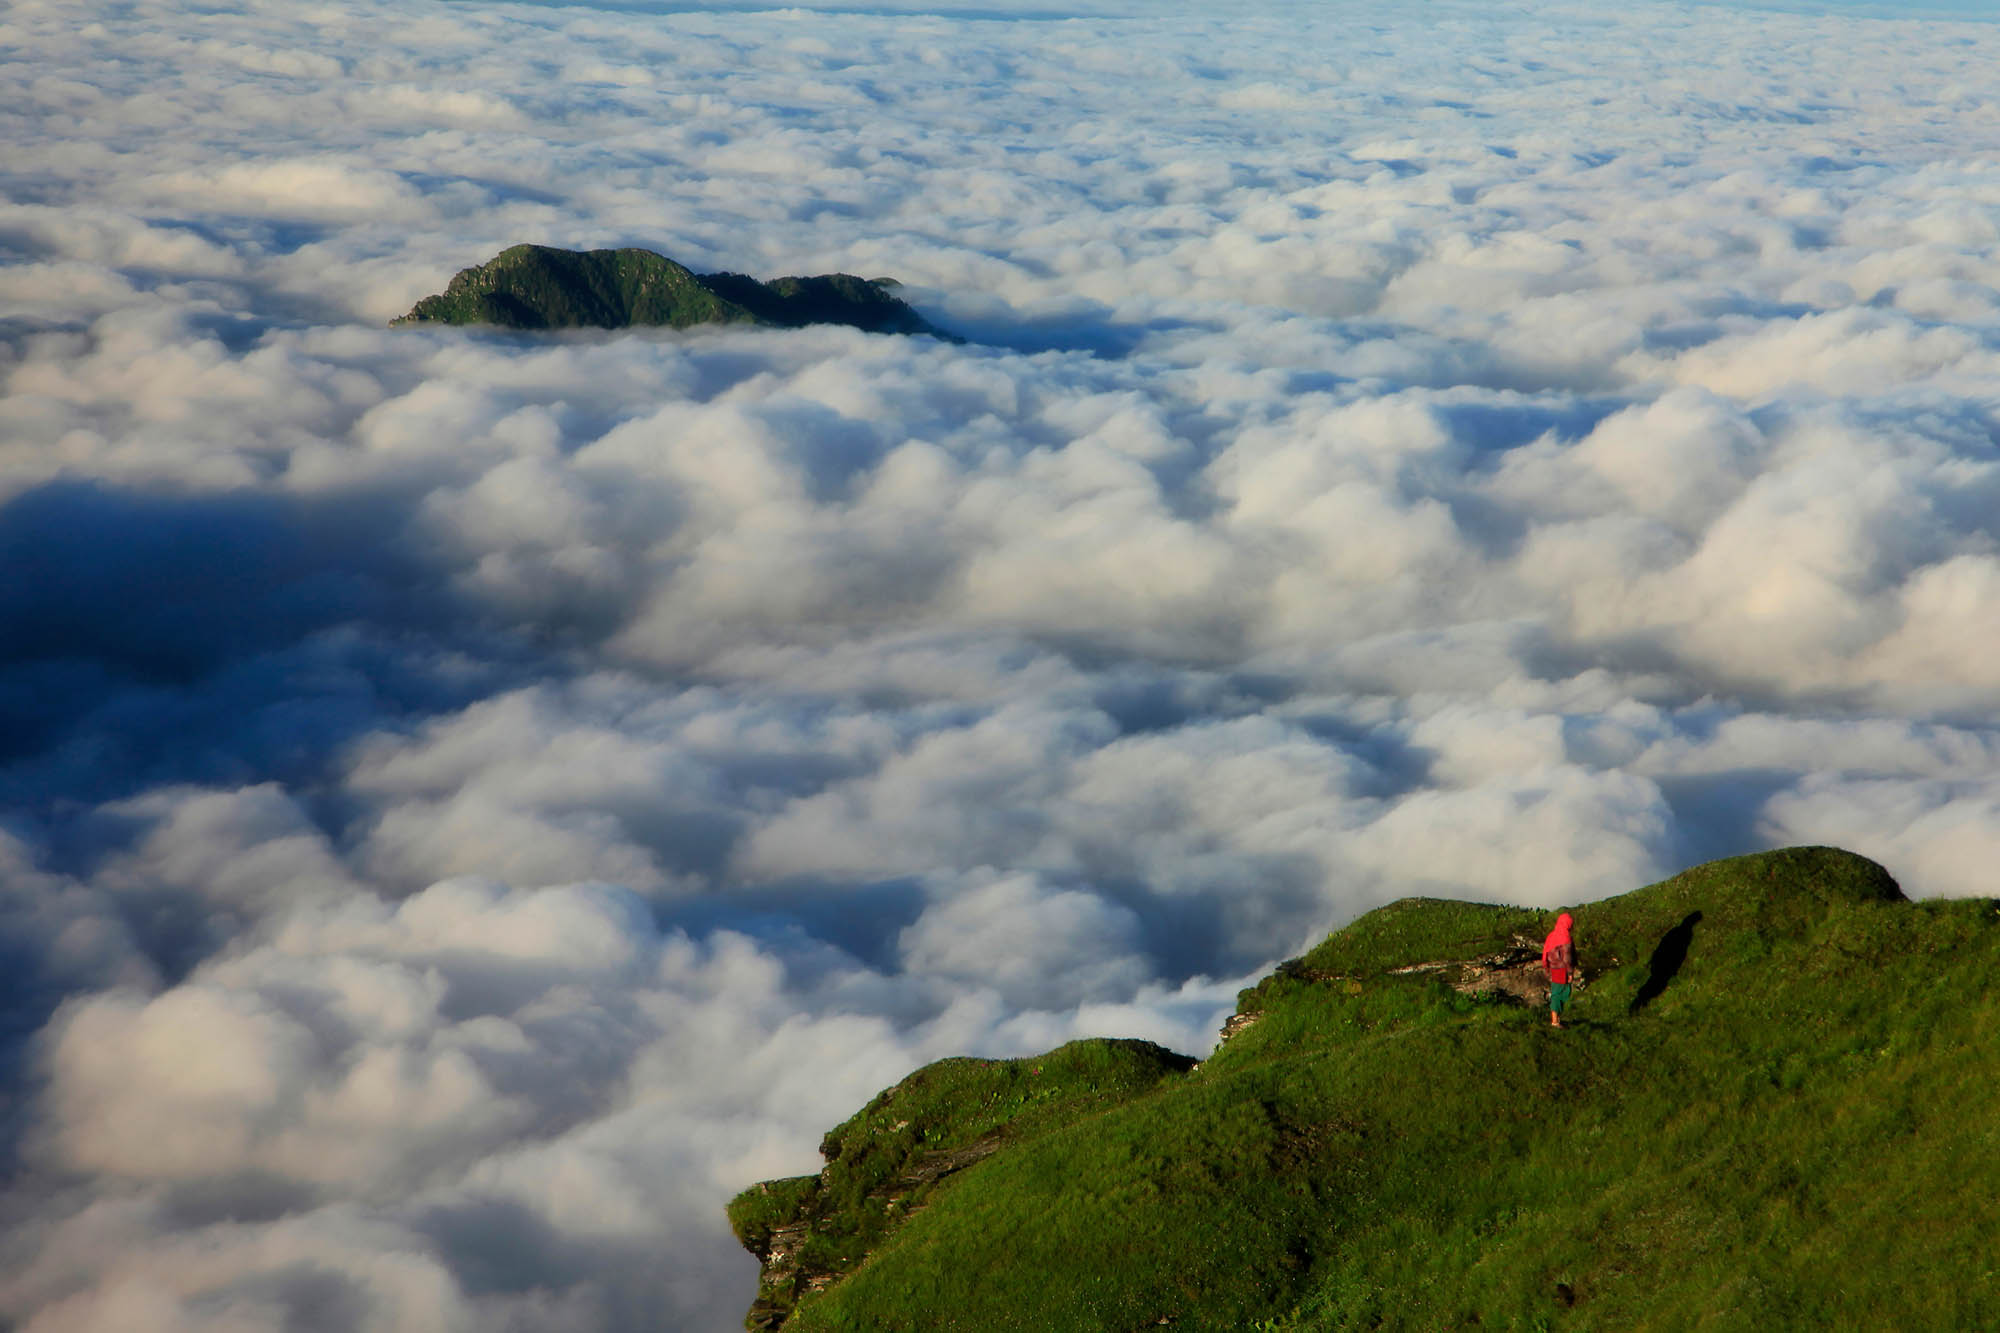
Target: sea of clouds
{"type": "Point", "coordinates": [470, 803]}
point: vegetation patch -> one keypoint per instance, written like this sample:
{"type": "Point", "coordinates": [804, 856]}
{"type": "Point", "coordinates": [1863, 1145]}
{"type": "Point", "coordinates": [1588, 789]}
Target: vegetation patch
{"type": "Point", "coordinates": [1773, 1106]}
{"type": "Point", "coordinates": [538, 287]}
{"type": "Point", "coordinates": [883, 1164]}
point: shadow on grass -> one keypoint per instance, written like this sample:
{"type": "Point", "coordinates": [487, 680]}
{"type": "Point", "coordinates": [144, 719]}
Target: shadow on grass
{"type": "Point", "coordinates": [1665, 964]}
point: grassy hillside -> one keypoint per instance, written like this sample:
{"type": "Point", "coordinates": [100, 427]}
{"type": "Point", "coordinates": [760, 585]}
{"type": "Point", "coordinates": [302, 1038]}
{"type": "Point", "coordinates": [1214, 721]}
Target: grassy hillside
{"type": "Point", "coordinates": [1776, 1106]}
{"type": "Point", "coordinates": [537, 287]}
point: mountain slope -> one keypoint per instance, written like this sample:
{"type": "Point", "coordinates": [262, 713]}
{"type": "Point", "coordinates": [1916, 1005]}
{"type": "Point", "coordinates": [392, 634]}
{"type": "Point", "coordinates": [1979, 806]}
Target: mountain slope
{"type": "Point", "coordinates": [538, 287]}
{"type": "Point", "coordinates": [1777, 1105]}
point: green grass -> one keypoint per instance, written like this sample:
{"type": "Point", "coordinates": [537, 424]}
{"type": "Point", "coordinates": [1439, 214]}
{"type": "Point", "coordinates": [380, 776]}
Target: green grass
{"type": "Point", "coordinates": [539, 287]}
{"type": "Point", "coordinates": [884, 1163]}
{"type": "Point", "coordinates": [1799, 1130]}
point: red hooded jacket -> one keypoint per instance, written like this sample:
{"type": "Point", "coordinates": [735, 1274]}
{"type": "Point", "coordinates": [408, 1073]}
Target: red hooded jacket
{"type": "Point", "coordinates": [1558, 956]}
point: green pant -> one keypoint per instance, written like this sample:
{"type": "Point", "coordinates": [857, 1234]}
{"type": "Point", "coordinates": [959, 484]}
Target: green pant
{"type": "Point", "coordinates": [1558, 997]}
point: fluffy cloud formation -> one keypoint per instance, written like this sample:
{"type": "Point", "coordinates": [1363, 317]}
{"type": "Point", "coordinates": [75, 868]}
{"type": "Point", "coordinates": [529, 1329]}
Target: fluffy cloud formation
{"type": "Point", "coordinates": [469, 803]}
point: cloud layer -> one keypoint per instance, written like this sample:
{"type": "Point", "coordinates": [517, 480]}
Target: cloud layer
{"type": "Point", "coordinates": [471, 803]}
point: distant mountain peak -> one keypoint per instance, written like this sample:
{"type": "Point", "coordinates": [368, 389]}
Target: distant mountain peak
{"type": "Point", "coordinates": [541, 287]}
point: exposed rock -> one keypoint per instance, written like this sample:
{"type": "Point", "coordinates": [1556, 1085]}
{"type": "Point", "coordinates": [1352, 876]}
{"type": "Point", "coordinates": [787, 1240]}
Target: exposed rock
{"type": "Point", "coordinates": [1236, 1023]}
{"type": "Point", "coordinates": [1514, 973]}
{"type": "Point", "coordinates": [1295, 969]}
{"type": "Point", "coordinates": [789, 1273]}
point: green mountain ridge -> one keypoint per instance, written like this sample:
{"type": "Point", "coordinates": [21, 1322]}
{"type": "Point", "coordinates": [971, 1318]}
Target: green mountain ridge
{"type": "Point", "coordinates": [1777, 1104]}
{"type": "Point", "coordinates": [539, 287]}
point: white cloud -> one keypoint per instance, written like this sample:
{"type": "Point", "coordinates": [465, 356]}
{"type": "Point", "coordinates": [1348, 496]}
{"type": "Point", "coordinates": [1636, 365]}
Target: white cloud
{"type": "Point", "coordinates": [469, 803]}
{"type": "Point", "coordinates": [1941, 835]}
{"type": "Point", "coordinates": [1041, 946]}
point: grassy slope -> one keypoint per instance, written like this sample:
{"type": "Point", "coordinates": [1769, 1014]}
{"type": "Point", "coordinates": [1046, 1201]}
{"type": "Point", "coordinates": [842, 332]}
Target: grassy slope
{"type": "Point", "coordinates": [1800, 1130]}
{"type": "Point", "coordinates": [885, 1162]}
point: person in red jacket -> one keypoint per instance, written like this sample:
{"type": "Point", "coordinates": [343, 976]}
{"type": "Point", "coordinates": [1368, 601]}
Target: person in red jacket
{"type": "Point", "coordinates": [1558, 957]}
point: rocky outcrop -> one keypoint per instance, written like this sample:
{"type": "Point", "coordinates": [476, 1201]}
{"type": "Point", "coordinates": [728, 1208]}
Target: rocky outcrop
{"type": "Point", "coordinates": [1514, 973]}
{"type": "Point", "coordinates": [793, 1267]}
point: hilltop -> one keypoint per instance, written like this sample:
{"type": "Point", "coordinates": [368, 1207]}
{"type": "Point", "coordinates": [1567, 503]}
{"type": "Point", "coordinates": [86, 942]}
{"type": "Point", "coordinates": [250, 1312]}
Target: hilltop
{"type": "Point", "coordinates": [538, 287]}
{"type": "Point", "coordinates": [1775, 1107]}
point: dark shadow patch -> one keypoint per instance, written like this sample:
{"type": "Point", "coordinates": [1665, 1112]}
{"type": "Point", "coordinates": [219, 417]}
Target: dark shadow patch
{"type": "Point", "coordinates": [311, 1299]}
{"type": "Point", "coordinates": [238, 1197]}
{"type": "Point", "coordinates": [862, 921]}
{"type": "Point", "coordinates": [1501, 427]}
{"type": "Point", "coordinates": [1098, 335]}
{"type": "Point", "coordinates": [1140, 706]}
{"type": "Point", "coordinates": [1185, 935]}
{"type": "Point", "coordinates": [168, 588]}
{"type": "Point", "coordinates": [497, 1245]}
{"type": "Point", "coordinates": [502, 190]}
{"type": "Point", "coordinates": [834, 451]}
{"type": "Point", "coordinates": [149, 639]}
{"type": "Point", "coordinates": [1665, 964]}
{"type": "Point", "coordinates": [1717, 813]}
{"type": "Point", "coordinates": [22, 1015]}
{"type": "Point", "coordinates": [1142, 700]}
